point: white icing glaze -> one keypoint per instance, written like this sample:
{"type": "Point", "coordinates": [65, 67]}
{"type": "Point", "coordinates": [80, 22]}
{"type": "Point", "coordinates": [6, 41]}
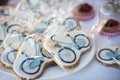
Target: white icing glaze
{"type": "Point", "coordinates": [106, 57]}
{"type": "Point", "coordinates": [49, 46]}
{"type": "Point", "coordinates": [28, 47]}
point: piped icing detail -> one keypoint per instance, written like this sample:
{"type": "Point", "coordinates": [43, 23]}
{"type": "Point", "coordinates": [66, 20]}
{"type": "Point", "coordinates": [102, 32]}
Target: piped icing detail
{"type": "Point", "coordinates": [68, 47]}
{"type": "Point", "coordinates": [31, 63]}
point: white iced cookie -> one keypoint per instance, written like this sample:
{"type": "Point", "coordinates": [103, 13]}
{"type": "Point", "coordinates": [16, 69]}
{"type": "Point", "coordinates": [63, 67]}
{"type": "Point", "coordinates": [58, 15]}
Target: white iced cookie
{"type": "Point", "coordinates": [109, 56]}
{"type": "Point", "coordinates": [66, 49]}
{"type": "Point", "coordinates": [31, 60]}
{"type": "Point", "coordinates": [10, 47]}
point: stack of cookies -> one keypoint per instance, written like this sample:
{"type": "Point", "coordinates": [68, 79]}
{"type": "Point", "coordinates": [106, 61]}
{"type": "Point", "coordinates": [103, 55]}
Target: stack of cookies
{"type": "Point", "coordinates": [31, 41]}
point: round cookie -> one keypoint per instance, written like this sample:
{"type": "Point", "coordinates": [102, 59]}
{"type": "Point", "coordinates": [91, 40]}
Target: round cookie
{"type": "Point", "coordinates": [84, 12]}
{"type": "Point", "coordinates": [66, 49]}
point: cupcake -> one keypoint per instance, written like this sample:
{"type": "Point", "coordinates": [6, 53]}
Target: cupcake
{"type": "Point", "coordinates": [84, 12]}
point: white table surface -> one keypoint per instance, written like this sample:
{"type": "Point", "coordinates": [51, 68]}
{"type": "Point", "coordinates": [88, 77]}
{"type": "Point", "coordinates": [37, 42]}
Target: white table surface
{"type": "Point", "coordinates": [93, 71]}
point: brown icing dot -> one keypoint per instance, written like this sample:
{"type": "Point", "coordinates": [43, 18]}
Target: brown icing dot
{"type": "Point", "coordinates": [85, 8]}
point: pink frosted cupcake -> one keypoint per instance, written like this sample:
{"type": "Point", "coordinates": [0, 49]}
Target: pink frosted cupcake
{"type": "Point", "coordinates": [84, 12]}
{"type": "Point", "coordinates": [111, 28]}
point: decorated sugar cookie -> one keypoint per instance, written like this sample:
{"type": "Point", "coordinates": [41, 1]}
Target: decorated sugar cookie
{"type": "Point", "coordinates": [66, 49]}
{"type": "Point", "coordinates": [31, 60]}
{"type": "Point", "coordinates": [109, 56]}
{"type": "Point", "coordinates": [10, 47]}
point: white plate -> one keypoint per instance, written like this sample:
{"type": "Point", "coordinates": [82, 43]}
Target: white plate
{"type": "Point", "coordinates": [56, 72]}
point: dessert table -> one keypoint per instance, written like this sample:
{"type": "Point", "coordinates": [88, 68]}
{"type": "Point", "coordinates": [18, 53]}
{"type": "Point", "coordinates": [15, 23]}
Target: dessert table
{"type": "Point", "coordinates": [92, 71]}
